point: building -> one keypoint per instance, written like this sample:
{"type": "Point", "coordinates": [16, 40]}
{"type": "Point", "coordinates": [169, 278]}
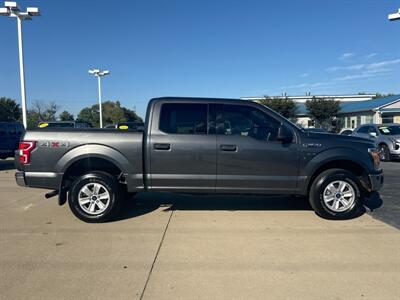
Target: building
{"type": "Point", "coordinates": [354, 109]}
{"type": "Point", "coordinates": [380, 111]}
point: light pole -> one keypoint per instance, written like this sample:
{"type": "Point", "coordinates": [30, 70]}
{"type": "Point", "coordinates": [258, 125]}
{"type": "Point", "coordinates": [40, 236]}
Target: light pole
{"type": "Point", "coordinates": [395, 16]}
{"type": "Point", "coordinates": [99, 73]}
{"type": "Point", "coordinates": [11, 9]}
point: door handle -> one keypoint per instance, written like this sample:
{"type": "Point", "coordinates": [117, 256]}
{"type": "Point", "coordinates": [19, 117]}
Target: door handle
{"type": "Point", "coordinates": [162, 146]}
{"type": "Point", "coordinates": [231, 148]}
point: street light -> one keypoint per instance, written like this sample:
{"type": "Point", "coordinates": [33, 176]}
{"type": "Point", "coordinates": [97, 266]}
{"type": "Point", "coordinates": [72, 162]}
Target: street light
{"type": "Point", "coordinates": [11, 9]}
{"type": "Point", "coordinates": [395, 16]}
{"type": "Point", "coordinates": [99, 73]}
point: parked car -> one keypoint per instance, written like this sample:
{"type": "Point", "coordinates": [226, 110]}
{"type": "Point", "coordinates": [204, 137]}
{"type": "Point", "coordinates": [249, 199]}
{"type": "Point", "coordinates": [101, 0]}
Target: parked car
{"type": "Point", "coordinates": [386, 137]}
{"type": "Point", "coordinates": [346, 131]}
{"type": "Point", "coordinates": [205, 146]}
{"type": "Point", "coordinates": [64, 124]}
{"type": "Point", "coordinates": [137, 126]}
{"type": "Point", "coordinates": [10, 135]}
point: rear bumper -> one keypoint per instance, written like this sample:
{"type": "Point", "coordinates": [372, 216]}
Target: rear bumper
{"type": "Point", "coordinates": [46, 180]}
{"type": "Point", "coordinates": [376, 181]}
{"type": "Point", "coordinates": [20, 178]}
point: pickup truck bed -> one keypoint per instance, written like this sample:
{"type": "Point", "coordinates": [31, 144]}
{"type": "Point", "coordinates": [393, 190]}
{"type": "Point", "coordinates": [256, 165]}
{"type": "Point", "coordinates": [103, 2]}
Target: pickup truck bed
{"type": "Point", "coordinates": [76, 150]}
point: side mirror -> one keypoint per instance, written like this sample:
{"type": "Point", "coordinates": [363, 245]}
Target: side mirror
{"type": "Point", "coordinates": [285, 135]}
{"type": "Point", "coordinates": [373, 134]}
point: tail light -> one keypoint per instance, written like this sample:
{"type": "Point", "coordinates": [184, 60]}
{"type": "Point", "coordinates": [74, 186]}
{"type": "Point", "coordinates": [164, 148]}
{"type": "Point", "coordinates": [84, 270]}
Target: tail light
{"type": "Point", "coordinates": [25, 149]}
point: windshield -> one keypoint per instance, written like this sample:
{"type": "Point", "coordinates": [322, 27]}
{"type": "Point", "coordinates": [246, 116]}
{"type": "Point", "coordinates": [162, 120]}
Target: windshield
{"type": "Point", "coordinates": [389, 130]}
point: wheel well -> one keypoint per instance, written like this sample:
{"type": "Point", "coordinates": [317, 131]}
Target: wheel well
{"type": "Point", "coordinates": [85, 165]}
{"type": "Point", "coordinates": [348, 165]}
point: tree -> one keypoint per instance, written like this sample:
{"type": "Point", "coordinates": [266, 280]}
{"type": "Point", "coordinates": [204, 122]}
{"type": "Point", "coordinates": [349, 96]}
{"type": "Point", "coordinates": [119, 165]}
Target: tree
{"type": "Point", "coordinates": [322, 111]}
{"type": "Point", "coordinates": [66, 116]}
{"type": "Point", "coordinates": [379, 95]}
{"type": "Point", "coordinates": [285, 106]}
{"type": "Point", "coordinates": [41, 112]}
{"type": "Point", "coordinates": [9, 110]}
{"type": "Point", "coordinates": [113, 112]}
{"type": "Point", "coordinates": [131, 115]}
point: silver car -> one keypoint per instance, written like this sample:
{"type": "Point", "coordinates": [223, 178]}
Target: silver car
{"type": "Point", "coordinates": [386, 137]}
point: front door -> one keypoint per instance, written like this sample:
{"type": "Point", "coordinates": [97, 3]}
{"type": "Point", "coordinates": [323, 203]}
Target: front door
{"type": "Point", "coordinates": [250, 158]}
{"type": "Point", "coordinates": [182, 150]}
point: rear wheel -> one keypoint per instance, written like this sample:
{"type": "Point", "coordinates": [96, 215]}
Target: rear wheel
{"type": "Point", "coordinates": [336, 194]}
{"type": "Point", "coordinates": [95, 197]}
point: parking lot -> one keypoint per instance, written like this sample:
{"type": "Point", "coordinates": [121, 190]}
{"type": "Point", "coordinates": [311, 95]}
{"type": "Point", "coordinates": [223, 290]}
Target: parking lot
{"type": "Point", "coordinates": [173, 246]}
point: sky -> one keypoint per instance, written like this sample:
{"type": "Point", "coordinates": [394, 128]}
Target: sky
{"type": "Point", "coordinates": [203, 48]}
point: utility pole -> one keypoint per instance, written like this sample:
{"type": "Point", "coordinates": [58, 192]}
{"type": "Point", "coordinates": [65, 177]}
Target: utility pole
{"type": "Point", "coordinates": [11, 9]}
{"type": "Point", "coordinates": [99, 73]}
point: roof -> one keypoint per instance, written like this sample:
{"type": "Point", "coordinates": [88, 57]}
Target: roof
{"type": "Point", "coordinates": [390, 110]}
{"type": "Point", "coordinates": [356, 106]}
{"type": "Point", "coordinates": [368, 105]}
{"type": "Point", "coordinates": [303, 98]}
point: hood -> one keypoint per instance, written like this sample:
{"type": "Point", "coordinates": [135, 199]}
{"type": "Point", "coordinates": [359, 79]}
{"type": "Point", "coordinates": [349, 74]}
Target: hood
{"type": "Point", "coordinates": [332, 137]}
{"type": "Point", "coordinates": [395, 137]}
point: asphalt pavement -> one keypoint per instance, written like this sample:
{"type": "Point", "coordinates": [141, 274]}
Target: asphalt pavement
{"type": "Point", "coordinates": [207, 247]}
{"type": "Point", "coordinates": [389, 210]}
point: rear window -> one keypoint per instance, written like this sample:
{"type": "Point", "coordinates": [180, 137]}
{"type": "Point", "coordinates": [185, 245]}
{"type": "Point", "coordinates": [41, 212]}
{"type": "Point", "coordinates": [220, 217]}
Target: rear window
{"type": "Point", "coordinates": [183, 118]}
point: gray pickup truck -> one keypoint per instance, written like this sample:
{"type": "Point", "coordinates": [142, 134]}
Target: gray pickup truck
{"type": "Point", "coordinates": [196, 145]}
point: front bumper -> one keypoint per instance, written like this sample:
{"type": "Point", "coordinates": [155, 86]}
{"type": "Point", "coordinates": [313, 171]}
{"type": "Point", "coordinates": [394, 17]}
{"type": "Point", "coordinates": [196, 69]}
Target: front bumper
{"type": "Point", "coordinates": [376, 181]}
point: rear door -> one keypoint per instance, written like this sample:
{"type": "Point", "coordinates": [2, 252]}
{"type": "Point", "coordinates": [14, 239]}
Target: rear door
{"type": "Point", "coordinates": [250, 158]}
{"type": "Point", "coordinates": [182, 150]}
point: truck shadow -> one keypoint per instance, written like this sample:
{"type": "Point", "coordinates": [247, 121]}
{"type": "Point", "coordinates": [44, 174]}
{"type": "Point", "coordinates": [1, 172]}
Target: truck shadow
{"type": "Point", "coordinates": [145, 203]}
{"type": "Point", "coordinates": [6, 165]}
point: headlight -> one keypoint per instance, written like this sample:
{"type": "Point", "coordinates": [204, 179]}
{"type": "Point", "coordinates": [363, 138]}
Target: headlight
{"type": "Point", "coordinates": [375, 154]}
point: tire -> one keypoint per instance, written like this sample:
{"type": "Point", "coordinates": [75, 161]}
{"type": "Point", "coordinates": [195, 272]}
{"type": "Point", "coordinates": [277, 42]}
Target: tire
{"type": "Point", "coordinates": [385, 153]}
{"type": "Point", "coordinates": [329, 195]}
{"type": "Point", "coordinates": [95, 197]}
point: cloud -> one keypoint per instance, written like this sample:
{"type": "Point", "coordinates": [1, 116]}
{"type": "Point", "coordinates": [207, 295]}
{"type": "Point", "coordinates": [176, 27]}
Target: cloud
{"type": "Point", "coordinates": [304, 75]}
{"type": "Point", "coordinates": [355, 72]}
{"type": "Point", "coordinates": [345, 68]}
{"type": "Point", "coordinates": [346, 55]}
{"type": "Point", "coordinates": [307, 85]}
{"type": "Point", "coordinates": [365, 74]}
{"type": "Point", "coordinates": [384, 63]}
{"type": "Point", "coordinates": [370, 66]}
{"type": "Point", "coordinates": [371, 55]}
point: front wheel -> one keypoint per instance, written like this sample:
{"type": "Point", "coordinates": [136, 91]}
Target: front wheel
{"type": "Point", "coordinates": [384, 153]}
{"type": "Point", "coordinates": [336, 194]}
{"type": "Point", "coordinates": [95, 197]}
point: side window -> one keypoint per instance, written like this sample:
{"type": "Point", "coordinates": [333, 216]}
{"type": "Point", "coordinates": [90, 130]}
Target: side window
{"type": "Point", "coordinates": [247, 121]}
{"type": "Point", "coordinates": [364, 129]}
{"type": "Point", "coordinates": [373, 129]}
{"type": "Point", "coordinates": [183, 118]}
